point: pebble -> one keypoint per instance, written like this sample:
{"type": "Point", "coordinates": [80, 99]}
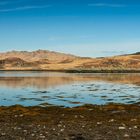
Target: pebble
{"type": "Point", "coordinates": [3, 134]}
{"type": "Point", "coordinates": [123, 124]}
{"type": "Point", "coordinates": [112, 120]}
{"type": "Point", "coordinates": [133, 120]}
{"type": "Point", "coordinates": [81, 116]}
{"type": "Point", "coordinates": [59, 125]}
{"type": "Point", "coordinates": [58, 134]}
{"type": "Point", "coordinates": [99, 123]}
{"type": "Point", "coordinates": [32, 135]}
{"type": "Point", "coordinates": [135, 127]}
{"type": "Point", "coordinates": [25, 131]}
{"type": "Point", "coordinates": [42, 137]}
{"type": "Point", "coordinates": [121, 128]}
{"type": "Point", "coordinates": [15, 128]}
{"type": "Point", "coordinates": [21, 115]}
{"type": "Point", "coordinates": [61, 130]}
{"type": "Point", "coordinates": [126, 135]}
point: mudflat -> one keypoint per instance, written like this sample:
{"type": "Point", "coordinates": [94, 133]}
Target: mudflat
{"type": "Point", "coordinates": [88, 122]}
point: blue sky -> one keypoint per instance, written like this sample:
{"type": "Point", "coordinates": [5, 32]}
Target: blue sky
{"type": "Point", "coordinates": [83, 27]}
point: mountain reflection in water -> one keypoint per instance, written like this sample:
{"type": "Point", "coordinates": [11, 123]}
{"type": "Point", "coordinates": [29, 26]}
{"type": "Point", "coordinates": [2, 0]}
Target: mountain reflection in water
{"type": "Point", "coordinates": [64, 89]}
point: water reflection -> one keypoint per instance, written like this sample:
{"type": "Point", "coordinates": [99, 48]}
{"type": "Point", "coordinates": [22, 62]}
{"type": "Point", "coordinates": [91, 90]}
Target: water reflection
{"type": "Point", "coordinates": [63, 89]}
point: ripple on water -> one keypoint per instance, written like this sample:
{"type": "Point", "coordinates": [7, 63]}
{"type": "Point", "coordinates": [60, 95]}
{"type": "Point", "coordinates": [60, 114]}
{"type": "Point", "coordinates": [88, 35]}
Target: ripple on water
{"type": "Point", "coordinates": [69, 91]}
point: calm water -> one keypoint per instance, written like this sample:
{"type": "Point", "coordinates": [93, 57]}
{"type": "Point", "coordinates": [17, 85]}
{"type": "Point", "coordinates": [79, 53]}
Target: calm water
{"type": "Point", "coordinates": [69, 90]}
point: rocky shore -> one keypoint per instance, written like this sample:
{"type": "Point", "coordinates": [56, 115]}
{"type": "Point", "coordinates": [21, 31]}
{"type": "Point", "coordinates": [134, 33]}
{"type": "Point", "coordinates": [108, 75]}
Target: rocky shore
{"type": "Point", "coordinates": [110, 122]}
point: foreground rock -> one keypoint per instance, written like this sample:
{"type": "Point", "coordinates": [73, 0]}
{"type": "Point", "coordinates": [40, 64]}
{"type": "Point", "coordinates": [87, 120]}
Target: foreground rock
{"type": "Point", "coordinates": [111, 122]}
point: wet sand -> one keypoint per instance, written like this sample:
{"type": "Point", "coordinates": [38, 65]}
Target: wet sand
{"type": "Point", "coordinates": [110, 122]}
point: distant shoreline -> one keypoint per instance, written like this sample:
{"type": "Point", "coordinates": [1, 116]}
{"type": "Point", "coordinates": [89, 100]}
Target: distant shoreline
{"type": "Point", "coordinates": [76, 71]}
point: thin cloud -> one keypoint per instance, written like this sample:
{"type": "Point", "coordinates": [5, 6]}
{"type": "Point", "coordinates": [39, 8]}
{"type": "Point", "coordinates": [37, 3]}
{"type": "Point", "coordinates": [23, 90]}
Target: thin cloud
{"type": "Point", "coordinates": [24, 8]}
{"type": "Point", "coordinates": [106, 5]}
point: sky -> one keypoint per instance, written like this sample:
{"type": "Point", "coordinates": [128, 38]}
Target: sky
{"type": "Point", "coordinates": [93, 28]}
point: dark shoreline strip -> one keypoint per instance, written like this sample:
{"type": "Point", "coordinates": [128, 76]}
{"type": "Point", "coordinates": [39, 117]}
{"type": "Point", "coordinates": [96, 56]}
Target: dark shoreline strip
{"type": "Point", "coordinates": [77, 71]}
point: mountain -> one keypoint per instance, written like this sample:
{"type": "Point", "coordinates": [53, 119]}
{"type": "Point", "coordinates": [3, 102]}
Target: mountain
{"type": "Point", "coordinates": [37, 55]}
{"type": "Point", "coordinates": [48, 60]}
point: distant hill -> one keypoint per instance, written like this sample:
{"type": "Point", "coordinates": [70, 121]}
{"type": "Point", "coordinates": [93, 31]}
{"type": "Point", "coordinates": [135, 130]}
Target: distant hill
{"type": "Point", "coordinates": [48, 60]}
{"type": "Point", "coordinates": [37, 55]}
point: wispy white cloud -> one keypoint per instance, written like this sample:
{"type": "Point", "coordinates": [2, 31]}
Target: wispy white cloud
{"type": "Point", "coordinates": [25, 8]}
{"type": "Point", "coordinates": [107, 5]}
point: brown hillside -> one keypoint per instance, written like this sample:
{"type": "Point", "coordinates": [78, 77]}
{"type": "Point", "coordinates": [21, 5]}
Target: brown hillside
{"type": "Point", "coordinates": [47, 60]}
{"type": "Point", "coordinates": [37, 55]}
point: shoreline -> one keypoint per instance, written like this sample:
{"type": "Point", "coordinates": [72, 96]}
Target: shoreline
{"type": "Point", "coordinates": [73, 71]}
{"type": "Point", "coordinates": [88, 122]}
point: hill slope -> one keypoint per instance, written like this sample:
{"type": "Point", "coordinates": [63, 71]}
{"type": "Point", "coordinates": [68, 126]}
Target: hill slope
{"type": "Point", "coordinates": [37, 55]}
{"type": "Point", "coordinates": [47, 60]}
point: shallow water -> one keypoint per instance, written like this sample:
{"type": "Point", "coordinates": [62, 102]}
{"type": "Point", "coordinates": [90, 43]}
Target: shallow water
{"type": "Point", "coordinates": [69, 90]}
